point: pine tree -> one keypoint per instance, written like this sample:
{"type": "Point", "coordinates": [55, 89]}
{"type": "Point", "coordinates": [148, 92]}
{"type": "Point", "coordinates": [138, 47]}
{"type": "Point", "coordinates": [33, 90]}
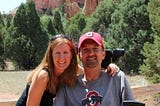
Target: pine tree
{"type": "Point", "coordinates": [151, 66]}
{"type": "Point", "coordinates": [57, 22]}
{"type": "Point", "coordinates": [130, 28]}
{"type": "Point", "coordinates": [27, 40]}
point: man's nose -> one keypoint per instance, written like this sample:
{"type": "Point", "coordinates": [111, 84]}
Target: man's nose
{"type": "Point", "coordinates": [91, 51]}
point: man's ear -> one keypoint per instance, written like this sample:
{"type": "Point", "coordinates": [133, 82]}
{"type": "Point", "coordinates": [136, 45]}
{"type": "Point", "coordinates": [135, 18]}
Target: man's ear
{"type": "Point", "coordinates": [104, 54]}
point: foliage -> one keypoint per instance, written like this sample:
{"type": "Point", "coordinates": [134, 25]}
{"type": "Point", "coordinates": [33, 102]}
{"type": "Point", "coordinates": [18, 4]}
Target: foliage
{"type": "Point", "coordinates": [130, 29]}
{"type": "Point", "coordinates": [57, 22]}
{"type": "Point", "coordinates": [8, 20]}
{"type": "Point", "coordinates": [48, 25]}
{"type": "Point", "coordinates": [151, 66]}
{"type": "Point", "coordinates": [1, 35]}
{"type": "Point", "coordinates": [27, 41]}
{"type": "Point", "coordinates": [2, 31]}
{"type": "Point", "coordinates": [75, 26]}
{"type": "Point", "coordinates": [101, 18]}
{"type": "Point", "coordinates": [154, 10]}
{"type": "Point", "coordinates": [49, 12]}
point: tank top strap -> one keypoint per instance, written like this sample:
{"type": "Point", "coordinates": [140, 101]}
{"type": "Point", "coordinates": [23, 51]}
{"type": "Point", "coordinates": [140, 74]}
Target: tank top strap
{"type": "Point", "coordinates": [46, 69]}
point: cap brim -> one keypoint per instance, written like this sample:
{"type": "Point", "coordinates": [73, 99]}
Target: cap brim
{"type": "Point", "coordinates": [91, 38]}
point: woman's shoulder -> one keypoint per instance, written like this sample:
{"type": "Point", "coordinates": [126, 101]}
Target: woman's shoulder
{"type": "Point", "coordinates": [43, 75]}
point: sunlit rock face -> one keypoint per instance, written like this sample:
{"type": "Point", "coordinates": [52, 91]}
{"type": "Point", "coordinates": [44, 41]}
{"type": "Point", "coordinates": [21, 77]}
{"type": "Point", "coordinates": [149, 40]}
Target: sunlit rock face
{"type": "Point", "coordinates": [47, 3]}
{"type": "Point", "coordinates": [71, 6]}
{"type": "Point", "coordinates": [89, 6]}
{"type": "Point", "coordinates": [71, 9]}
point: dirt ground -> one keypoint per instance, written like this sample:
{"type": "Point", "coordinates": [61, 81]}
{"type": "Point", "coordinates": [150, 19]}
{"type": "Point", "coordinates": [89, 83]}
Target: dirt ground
{"type": "Point", "coordinates": [14, 84]}
{"type": "Point", "coordinates": [147, 94]}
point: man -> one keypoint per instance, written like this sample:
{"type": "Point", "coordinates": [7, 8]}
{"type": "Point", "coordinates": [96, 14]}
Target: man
{"type": "Point", "coordinates": [94, 87]}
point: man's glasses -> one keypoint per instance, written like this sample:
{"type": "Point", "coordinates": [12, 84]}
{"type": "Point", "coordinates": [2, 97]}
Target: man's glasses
{"type": "Point", "coordinates": [61, 36]}
{"type": "Point", "coordinates": [88, 51]}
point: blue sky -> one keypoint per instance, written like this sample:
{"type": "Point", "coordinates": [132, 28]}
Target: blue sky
{"type": "Point", "coordinates": [7, 5]}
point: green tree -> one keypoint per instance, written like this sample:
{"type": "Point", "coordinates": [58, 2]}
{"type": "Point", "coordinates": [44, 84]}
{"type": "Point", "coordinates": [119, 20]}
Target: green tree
{"type": "Point", "coordinates": [48, 25]}
{"type": "Point", "coordinates": [49, 12]}
{"type": "Point", "coordinates": [2, 31]}
{"type": "Point", "coordinates": [151, 66]}
{"type": "Point", "coordinates": [75, 26]}
{"type": "Point", "coordinates": [27, 40]}
{"type": "Point", "coordinates": [101, 18]}
{"type": "Point", "coordinates": [130, 28]}
{"type": "Point", "coordinates": [1, 21]}
{"type": "Point", "coordinates": [8, 20]}
{"type": "Point", "coordinates": [57, 22]}
{"type": "Point", "coordinates": [154, 15]}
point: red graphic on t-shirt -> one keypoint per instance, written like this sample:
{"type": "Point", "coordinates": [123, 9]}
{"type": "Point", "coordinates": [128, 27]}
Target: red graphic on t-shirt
{"type": "Point", "coordinates": [92, 99]}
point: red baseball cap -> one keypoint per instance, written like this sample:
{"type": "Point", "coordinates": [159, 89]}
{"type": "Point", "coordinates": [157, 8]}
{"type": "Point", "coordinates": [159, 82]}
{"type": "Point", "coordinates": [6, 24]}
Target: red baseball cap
{"type": "Point", "coordinates": [93, 36]}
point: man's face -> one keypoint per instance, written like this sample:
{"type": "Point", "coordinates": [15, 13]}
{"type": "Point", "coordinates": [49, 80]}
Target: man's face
{"type": "Point", "coordinates": [91, 54]}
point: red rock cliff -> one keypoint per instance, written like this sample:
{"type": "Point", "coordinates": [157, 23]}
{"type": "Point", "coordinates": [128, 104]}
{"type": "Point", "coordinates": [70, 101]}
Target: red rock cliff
{"type": "Point", "coordinates": [90, 6]}
{"type": "Point", "coordinates": [72, 6]}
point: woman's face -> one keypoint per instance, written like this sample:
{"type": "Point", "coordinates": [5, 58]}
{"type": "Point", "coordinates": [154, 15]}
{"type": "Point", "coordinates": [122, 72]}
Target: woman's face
{"type": "Point", "coordinates": [61, 56]}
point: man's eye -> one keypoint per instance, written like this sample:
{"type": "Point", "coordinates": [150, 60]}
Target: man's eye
{"type": "Point", "coordinates": [95, 49]}
{"type": "Point", "coordinates": [85, 50]}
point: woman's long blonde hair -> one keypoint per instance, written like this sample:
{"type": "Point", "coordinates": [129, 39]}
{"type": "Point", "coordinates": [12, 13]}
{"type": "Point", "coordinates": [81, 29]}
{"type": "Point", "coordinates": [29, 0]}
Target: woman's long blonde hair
{"type": "Point", "coordinates": [69, 76]}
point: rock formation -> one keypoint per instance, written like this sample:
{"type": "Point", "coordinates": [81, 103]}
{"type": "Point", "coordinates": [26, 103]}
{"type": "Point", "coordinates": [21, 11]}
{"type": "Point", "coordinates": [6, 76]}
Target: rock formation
{"type": "Point", "coordinates": [71, 9]}
{"type": "Point", "coordinates": [71, 6]}
{"type": "Point", "coordinates": [40, 4]}
{"type": "Point", "coordinates": [90, 6]}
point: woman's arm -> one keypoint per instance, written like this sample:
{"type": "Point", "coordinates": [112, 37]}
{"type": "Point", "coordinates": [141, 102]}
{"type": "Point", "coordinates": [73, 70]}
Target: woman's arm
{"type": "Point", "coordinates": [37, 88]}
{"type": "Point", "coordinates": [111, 69]}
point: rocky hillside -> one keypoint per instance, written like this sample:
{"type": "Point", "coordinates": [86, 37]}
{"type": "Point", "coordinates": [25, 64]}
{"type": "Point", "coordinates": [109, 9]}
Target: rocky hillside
{"type": "Point", "coordinates": [71, 6]}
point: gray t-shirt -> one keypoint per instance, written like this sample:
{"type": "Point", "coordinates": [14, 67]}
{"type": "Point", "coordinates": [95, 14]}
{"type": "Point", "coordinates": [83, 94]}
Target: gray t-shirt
{"type": "Point", "coordinates": [104, 91]}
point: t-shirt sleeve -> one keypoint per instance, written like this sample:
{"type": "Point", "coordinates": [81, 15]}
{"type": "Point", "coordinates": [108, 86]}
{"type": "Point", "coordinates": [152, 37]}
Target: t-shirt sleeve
{"type": "Point", "coordinates": [59, 100]}
{"type": "Point", "coordinates": [128, 95]}
{"type": "Point", "coordinates": [126, 90]}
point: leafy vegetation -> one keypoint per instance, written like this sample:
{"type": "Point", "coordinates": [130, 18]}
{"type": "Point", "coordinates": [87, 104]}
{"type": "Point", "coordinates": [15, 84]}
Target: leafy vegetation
{"type": "Point", "coordinates": [151, 66]}
{"type": "Point", "coordinates": [130, 28]}
{"type": "Point", "coordinates": [26, 39]}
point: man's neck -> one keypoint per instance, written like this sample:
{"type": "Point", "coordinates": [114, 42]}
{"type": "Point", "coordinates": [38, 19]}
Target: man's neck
{"type": "Point", "coordinates": [91, 74]}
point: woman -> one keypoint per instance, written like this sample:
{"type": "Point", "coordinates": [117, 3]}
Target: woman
{"type": "Point", "coordinates": [58, 67]}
